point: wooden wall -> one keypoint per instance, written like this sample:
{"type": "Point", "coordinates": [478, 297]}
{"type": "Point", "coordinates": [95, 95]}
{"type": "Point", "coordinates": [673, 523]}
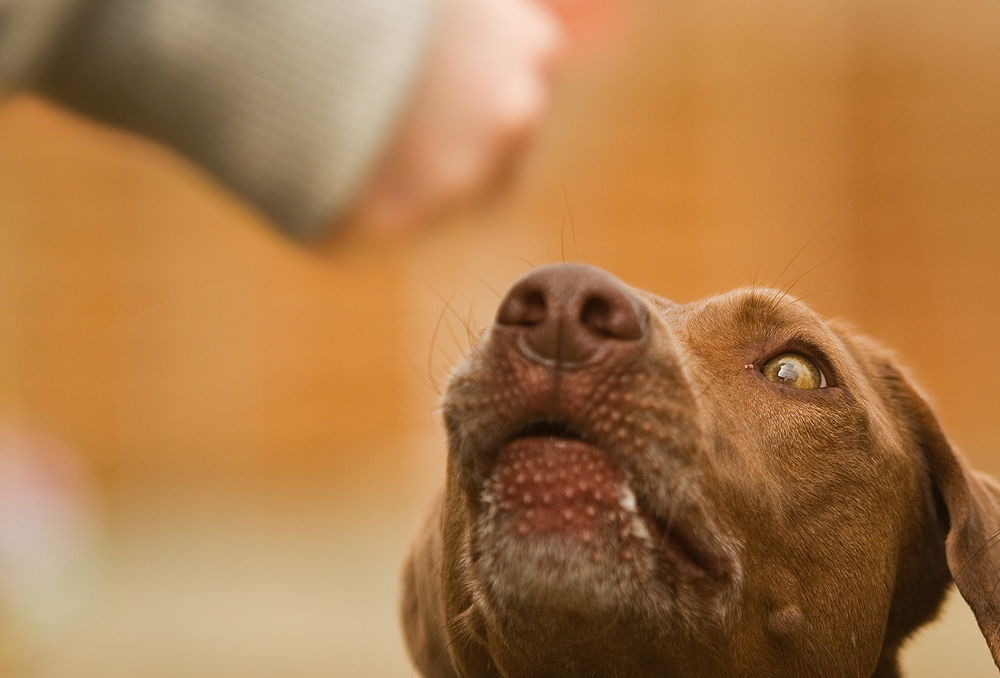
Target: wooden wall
{"type": "Point", "coordinates": [159, 325]}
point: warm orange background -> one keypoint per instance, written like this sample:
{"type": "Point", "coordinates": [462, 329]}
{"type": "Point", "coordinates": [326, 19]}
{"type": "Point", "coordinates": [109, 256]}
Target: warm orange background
{"type": "Point", "coordinates": [259, 422]}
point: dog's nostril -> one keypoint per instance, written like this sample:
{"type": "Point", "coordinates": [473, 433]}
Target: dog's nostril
{"type": "Point", "coordinates": [595, 315]}
{"type": "Point", "coordinates": [526, 307]}
{"type": "Point", "coordinates": [611, 317]}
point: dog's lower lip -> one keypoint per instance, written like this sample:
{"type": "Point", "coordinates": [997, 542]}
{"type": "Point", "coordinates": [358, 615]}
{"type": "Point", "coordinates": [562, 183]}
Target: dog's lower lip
{"type": "Point", "coordinates": [542, 480]}
{"type": "Point", "coordinates": [548, 484]}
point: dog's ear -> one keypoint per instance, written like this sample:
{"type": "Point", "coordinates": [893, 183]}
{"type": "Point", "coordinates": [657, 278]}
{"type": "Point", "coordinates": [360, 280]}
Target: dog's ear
{"type": "Point", "coordinates": [970, 502]}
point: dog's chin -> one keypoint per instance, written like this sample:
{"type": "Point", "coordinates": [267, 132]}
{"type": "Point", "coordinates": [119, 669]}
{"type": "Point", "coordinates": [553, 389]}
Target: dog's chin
{"type": "Point", "coordinates": [559, 526]}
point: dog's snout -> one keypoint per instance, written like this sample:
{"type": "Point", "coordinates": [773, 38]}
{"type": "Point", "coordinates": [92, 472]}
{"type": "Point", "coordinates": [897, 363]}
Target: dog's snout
{"type": "Point", "coordinates": [571, 313]}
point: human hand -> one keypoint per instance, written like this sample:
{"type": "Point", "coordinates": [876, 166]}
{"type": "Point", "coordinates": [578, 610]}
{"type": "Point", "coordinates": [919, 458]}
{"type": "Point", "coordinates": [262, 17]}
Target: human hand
{"type": "Point", "coordinates": [483, 95]}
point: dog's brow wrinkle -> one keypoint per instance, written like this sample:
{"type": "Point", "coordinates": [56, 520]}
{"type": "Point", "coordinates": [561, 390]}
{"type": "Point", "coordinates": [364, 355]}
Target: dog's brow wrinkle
{"type": "Point", "coordinates": [756, 308]}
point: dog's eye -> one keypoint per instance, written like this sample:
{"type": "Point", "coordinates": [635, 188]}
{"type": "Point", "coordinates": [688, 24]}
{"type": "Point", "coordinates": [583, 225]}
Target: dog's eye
{"type": "Point", "coordinates": [794, 370]}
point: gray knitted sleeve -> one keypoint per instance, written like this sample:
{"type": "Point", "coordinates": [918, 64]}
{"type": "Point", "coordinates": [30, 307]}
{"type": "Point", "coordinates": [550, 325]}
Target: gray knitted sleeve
{"type": "Point", "coordinates": [289, 102]}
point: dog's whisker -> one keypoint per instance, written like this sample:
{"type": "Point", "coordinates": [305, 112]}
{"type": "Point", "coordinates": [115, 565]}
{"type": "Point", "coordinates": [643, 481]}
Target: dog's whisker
{"type": "Point", "coordinates": [523, 260]}
{"type": "Point", "coordinates": [471, 331]}
{"type": "Point", "coordinates": [490, 288]}
{"type": "Point", "coordinates": [798, 300]}
{"type": "Point", "coordinates": [988, 544]}
{"type": "Point", "coordinates": [433, 343]}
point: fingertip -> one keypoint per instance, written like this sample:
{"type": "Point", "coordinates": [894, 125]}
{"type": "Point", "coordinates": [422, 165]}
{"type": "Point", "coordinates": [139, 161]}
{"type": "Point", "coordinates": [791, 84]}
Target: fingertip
{"type": "Point", "coordinates": [551, 40]}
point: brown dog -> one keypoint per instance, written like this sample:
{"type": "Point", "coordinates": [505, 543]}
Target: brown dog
{"type": "Point", "coordinates": [732, 487]}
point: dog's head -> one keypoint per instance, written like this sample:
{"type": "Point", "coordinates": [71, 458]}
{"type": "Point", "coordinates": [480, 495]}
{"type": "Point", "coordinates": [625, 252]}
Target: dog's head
{"type": "Point", "coordinates": [732, 487]}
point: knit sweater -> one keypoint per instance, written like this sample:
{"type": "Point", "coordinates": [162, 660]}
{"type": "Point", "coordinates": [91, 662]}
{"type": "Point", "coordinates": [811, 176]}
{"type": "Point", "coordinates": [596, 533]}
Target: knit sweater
{"type": "Point", "coordinates": [289, 102]}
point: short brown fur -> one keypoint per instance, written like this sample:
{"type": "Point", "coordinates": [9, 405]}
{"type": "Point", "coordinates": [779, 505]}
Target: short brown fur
{"type": "Point", "coordinates": [817, 529]}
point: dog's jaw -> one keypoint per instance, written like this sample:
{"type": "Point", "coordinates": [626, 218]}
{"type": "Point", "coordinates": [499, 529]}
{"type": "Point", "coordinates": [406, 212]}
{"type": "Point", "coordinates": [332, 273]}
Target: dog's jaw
{"type": "Point", "coordinates": [582, 497]}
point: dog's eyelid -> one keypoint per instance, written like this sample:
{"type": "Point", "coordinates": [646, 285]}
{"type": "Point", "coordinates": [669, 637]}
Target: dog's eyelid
{"type": "Point", "coordinates": [798, 369]}
{"type": "Point", "coordinates": [806, 346]}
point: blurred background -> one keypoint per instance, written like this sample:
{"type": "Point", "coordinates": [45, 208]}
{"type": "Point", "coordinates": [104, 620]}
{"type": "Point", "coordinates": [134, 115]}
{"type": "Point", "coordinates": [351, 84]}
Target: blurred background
{"type": "Point", "coordinates": [214, 445]}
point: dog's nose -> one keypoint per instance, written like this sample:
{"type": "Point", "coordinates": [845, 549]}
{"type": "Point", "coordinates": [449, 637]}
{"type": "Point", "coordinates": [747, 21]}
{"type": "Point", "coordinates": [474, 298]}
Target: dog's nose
{"type": "Point", "coordinates": [572, 315]}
